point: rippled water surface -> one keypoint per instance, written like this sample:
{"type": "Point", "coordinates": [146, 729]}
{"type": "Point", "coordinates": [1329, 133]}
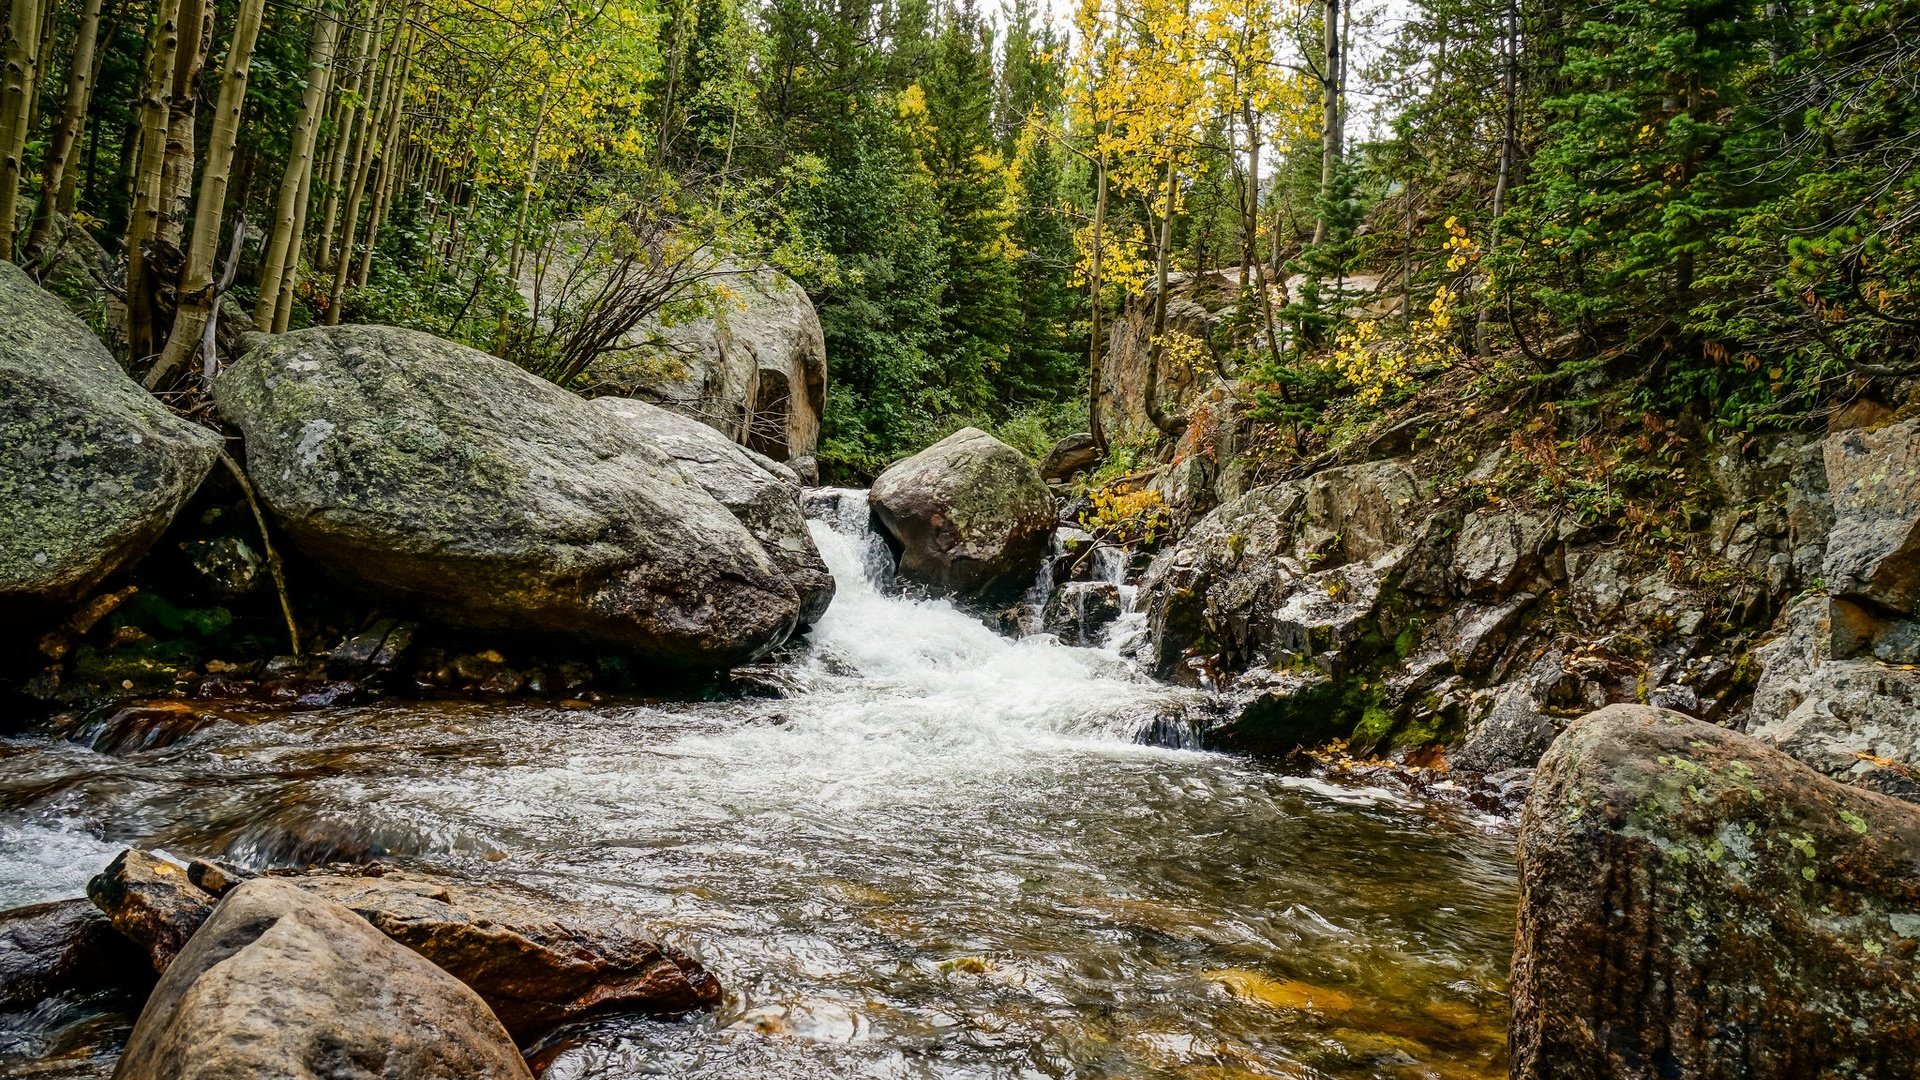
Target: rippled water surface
{"type": "Point", "coordinates": [940, 854]}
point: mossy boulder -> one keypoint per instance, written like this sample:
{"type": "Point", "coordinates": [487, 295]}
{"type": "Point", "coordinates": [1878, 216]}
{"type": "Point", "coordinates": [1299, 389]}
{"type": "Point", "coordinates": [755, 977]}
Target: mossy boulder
{"type": "Point", "coordinates": [1695, 904]}
{"type": "Point", "coordinates": [92, 467]}
{"type": "Point", "coordinates": [761, 492]}
{"type": "Point", "coordinates": [493, 499]}
{"type": "Point", "coordinates": [969, 515]}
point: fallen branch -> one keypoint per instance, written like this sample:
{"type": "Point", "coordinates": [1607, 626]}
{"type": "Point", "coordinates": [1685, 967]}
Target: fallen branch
{"type": "Point", "coordinates": [266, 542]}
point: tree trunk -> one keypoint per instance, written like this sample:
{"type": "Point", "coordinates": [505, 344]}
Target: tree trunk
{"type": "Point", "coordinates": [143, 218]}
{"type": "Point", "coordinates": [371, 123]}
{"type": "Point", "coordinates": [183, 101]}
{"type": "Point", "coordinates": [347, 129]}
{"type": "Point", "coordinates": [1163, 255]}
{"type": "Point", "coordinates": [1331, 90]}
{"type": "Point", "coordinates": [378, 212]}
{"type": "Point", "coordinates": [293, 182]}
{"type": "Point", "coordinates": [1509, 78]}
{"type": "Point", "coordinates": [57, 171]}
{"type": "Point", "coordinates": [196, 275]}
{"type": "Point", "coordinates": [16, 109]}
{"type": "Point", "coordinates": [1095, 283]}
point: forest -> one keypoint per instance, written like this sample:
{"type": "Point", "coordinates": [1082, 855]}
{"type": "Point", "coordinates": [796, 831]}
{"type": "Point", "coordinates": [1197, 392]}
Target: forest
{"type": "Point", "coordinates": [1718, 195]}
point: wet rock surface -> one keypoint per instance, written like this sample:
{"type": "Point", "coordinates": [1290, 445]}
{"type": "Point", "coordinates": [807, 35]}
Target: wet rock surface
{"type": "Point", "coordinates": [152, 903]}
{"type": "Point", "coordinates": [534, 969]}
{"type": "Point", "coordinates": [92, 467]}
{"type": "Point", "coordinates": [63, 947]}
{"type": "Point", "coordinates": [495, 500]}
{"type": "Point", "coordinates": [283, 983]}
{"type": "Point", "coordinates": [1696, 904]}
{"type": "Point", "coordinates": [970, 515]}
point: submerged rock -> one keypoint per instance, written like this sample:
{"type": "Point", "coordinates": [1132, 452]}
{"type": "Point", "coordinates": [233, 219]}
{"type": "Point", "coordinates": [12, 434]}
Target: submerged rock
{"type": "Point", "coordinates": [496, 500]}
{"type": "Point", "coordinates": [761, 492]}
{"type": "Point", "coordinates": [969, 514]}
{"type": "Point", "coordinates": [1695, 904]}
{"type": "Point", "coordinates": [534, 969]}
{"type": "Point", "coordinates": [66, 946]}
{"type": "Point", "coordinates": [92, 467]}
{"type": "Point", "coordinates": [283, 983]}
{"type": "Point", "coordinates": [152, 903]}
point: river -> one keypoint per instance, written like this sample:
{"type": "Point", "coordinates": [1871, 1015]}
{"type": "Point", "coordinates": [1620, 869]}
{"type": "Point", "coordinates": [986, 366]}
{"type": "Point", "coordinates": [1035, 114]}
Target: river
{"type": "Point", "coordinates": [938, 852]}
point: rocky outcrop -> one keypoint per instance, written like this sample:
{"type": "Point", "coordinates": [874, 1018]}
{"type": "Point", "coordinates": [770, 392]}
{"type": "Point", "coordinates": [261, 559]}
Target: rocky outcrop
{"type": "Point", "coordinates": [63, 947]}
{"type": "Point", "coordinates": [1195, 304]}
{"type": "Point", "coordinates": [493, 499]}
{"type": "Point", "coordinates": [1287, 575]}
{"type": "Point", "coordinates": [1695, 904]}
{"type": "Point", "coordinates": [535, 970]}
{"type": "Point", "coordinates": [152, 903]}
{"type": "Point", "coordinates": [1838, 689]}
{"type": "Point", "coordinates": [1873, 550]}
{"type": "Point", "coordinates": [92, 468]}
{"type": "Point", "coordinates": [282, 983]}
{"type": "Point", "coordinates": [756, 370]}
{"type": "Point", "coordinates": [969, 515]}
{"type": "Point", "coordinates": [761, 492]}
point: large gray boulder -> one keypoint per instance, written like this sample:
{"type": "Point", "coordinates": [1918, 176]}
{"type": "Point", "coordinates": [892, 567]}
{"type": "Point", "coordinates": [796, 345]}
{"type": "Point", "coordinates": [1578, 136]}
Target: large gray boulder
{"type": "Point", "coordinates": [761, 492]}
{"type": "Point", "coordinates": [92, 468]}
{"type": "Point", "coordinates": [969, 514]}
{"type": "Point", "coordinates": [1873, 549]}
{"type": "Point", "coordinates": [1694, 904]}
{"type": "Point", "coordinates": [755, 369]}
{"type": "Point", "coordinates": [495, 499]}
{"type": "Point", "coordinates": [282, 983]}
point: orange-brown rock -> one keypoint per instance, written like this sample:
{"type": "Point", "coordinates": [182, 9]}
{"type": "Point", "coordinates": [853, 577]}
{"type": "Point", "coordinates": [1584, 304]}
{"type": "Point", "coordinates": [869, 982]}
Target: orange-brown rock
{"type": "Point", "coordinates": [152, 903]}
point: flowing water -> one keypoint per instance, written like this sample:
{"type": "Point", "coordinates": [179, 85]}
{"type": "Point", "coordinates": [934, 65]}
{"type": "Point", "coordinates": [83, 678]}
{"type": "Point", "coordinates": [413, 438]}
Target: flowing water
{"type": "Point", "coordinates": [939, 852]}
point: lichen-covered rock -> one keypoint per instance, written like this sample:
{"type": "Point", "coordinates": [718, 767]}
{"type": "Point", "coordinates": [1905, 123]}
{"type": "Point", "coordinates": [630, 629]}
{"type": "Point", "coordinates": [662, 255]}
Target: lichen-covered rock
{"type": "Point", "coordinates": [152, 903]}
{"type": "Point", "coordinates": [535, 969]}
{"type": "Point", "coordinates": [761, 492]}
{"type": "Point", "coordinates": [283, 983]}
{"type": "Point", "coordinates": [92, 468]}
{"type": "Point", "coordinates": [494, 499]}
{"type": "Point", "coordinates": [1845, 713]}
{"type": "Point", "coordinates": [1695, 904]}
{"type": "Point", "coordinates": [969, 515]}
{"type": "Point", "coordinates": [63, 947]}
{"type": "Point", "coordinates": [1873, 550]}
{"type": "Point", "coordinates": [756, 370]}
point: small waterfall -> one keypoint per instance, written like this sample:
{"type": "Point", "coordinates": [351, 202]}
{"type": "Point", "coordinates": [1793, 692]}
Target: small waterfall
{"type": "Point", "coordinates": [846, 512]}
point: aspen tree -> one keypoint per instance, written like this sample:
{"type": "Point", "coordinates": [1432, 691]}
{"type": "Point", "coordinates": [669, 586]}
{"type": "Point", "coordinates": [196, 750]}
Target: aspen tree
{"type": "Point", "coordinates": [148, 171]}
{"type": "Point", "coordinates": [294, 181]}
{"type": "Point", "coordinates": [57, 171]}
{"type": "Point", "coordinates": [16, 109]}
{"type": "Point", "coordinates": [196, 275]}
